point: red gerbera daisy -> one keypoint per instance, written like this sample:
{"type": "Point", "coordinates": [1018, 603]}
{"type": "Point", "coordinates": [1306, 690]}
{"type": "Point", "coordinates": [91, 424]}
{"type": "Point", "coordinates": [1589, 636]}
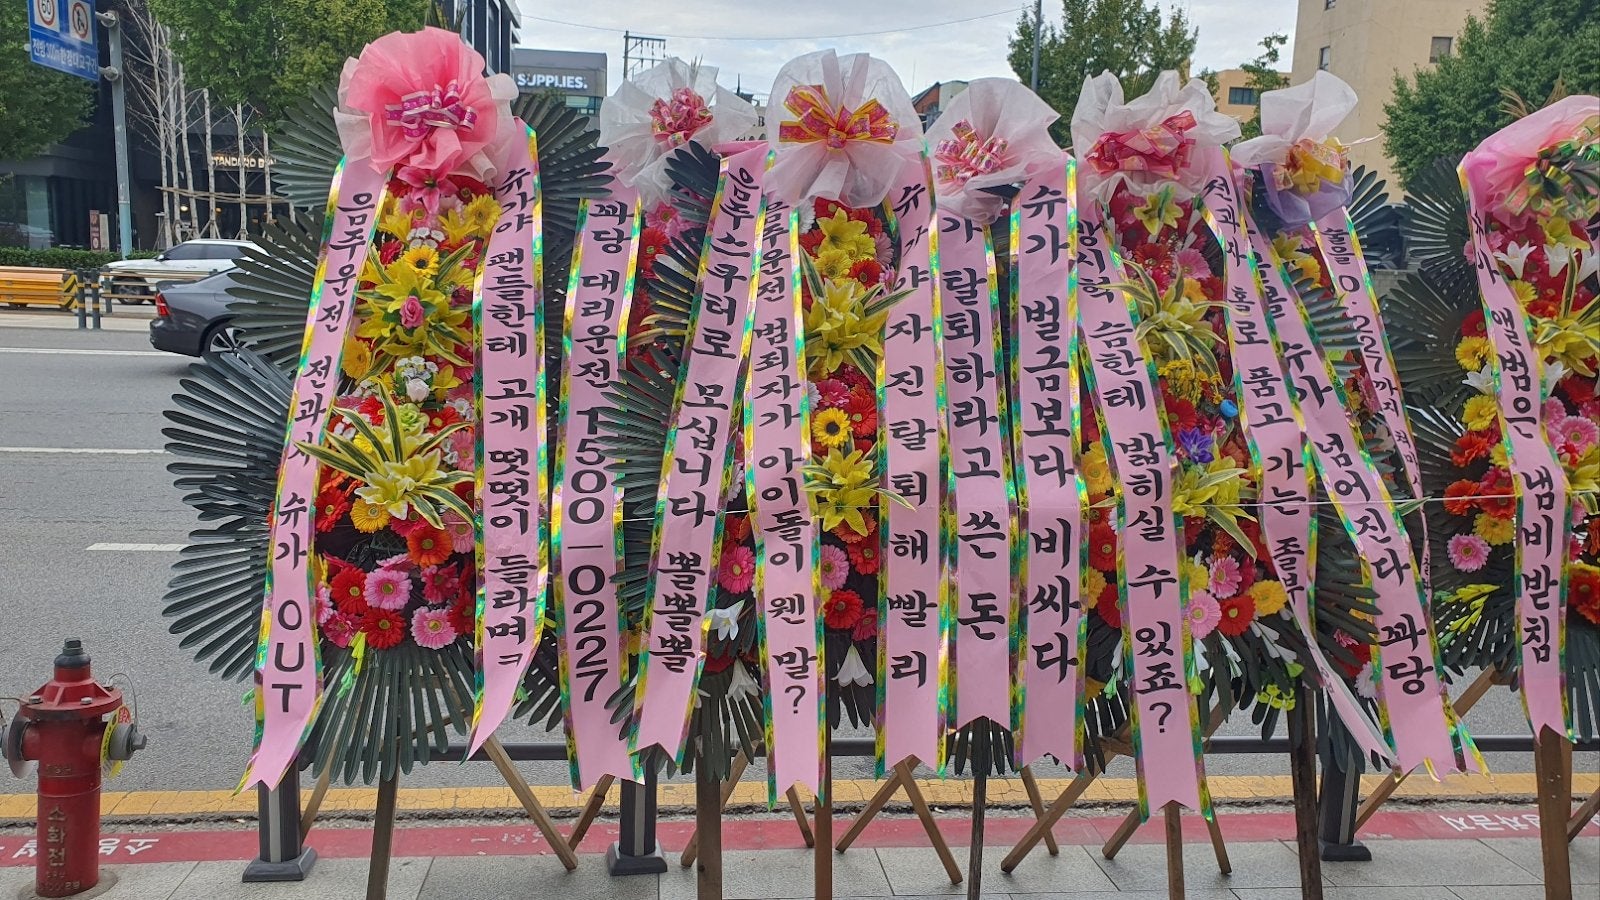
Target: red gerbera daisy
{"type": "Point", "coordinates": [443, 417]}
{"type": "Point", "coordinates": [1103, 547]}
{"type": "Point", "coordinates": [849, 535]}
{"type": "Point", "coordinates": [349, 591]}
{"type": "Point", "coordinates": [384, 628]}
{"type": "Point", "coordinates": [427, 545]}
{"type": "Point", "coordinates": [1472, 325]}
{"type": "Point", "coordinates": [864, 557]}
{"type": "Point", "coordinates": [862, 408]}
{"type": "Point", "coordinates": [1471, 447]}
{"type": "Point", "coordinates": [1237, 612]}
{"type": "Point", "coordinates": [1583, 592]}
{"type": "Point", "coordinates": [332, 504]}
{"type": "Point", "coordinates": [1106, 606]}
{"type": "Point", "coordinates": [651, 242]}
{"type": "Point", "coordinates": [842, 609]}
{"type": "Point", "coordinates": [1460, 498]}
{"type": "Point", "coordinates": [464, 614]}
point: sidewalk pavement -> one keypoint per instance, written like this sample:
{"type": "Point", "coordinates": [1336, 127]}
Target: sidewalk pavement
{"type": "Point", "coordinates": [1472, 853]}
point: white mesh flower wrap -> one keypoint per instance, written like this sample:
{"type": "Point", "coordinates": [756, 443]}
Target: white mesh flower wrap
{"type": "Point", "coordinates": [1305, 172]}
{"type": "Point", "coordinates": [994, 133]}
{"type": "Point", "coordinates": [1149, 142]}
{"type": "Point", "coordinates": [660, 110]}
{"type": "Point", "coordinates": [842, 126]}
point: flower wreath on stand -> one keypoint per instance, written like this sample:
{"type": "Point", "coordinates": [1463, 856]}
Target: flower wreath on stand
{"type": "Point", "coordinates": [1539, 227]}
{"type": "Point", "coordinates": [393, 557]}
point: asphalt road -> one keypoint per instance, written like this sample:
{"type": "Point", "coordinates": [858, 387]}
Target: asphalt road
{"type": "Point", "coordinates": [71, 404]}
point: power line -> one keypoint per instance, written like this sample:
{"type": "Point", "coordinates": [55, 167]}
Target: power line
{"type": "Point", "coordinates": [780, 37]}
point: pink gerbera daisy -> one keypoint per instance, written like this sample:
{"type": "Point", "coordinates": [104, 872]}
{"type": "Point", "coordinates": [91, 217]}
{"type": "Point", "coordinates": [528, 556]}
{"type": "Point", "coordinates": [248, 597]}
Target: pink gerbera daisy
{"type": "Point", "coordinates": [1204, 614]}
{"type": "Point", "coordinates": [340, 629]}
{"type": "Point", "coordinates": [738, 569]}
{"type": "Point", "coordinates": [460, 531]}
{"type": "Point", "coordinates": [835, 567]}
{"type": "Point", "coordinates": [431, 628]}
{"type": "Point", "coordinates": [441, 584]}
{"type": "Point", "coordinates": [1577, 431]}
{"type": "Point", "coordinates": [1224, 576]}
{"type": "Point", "coordinates": [1468, 552]}
{"type": "Point", "coordinates": [323, 604]}
{"type": "Point", "coordinates": [388, 589]}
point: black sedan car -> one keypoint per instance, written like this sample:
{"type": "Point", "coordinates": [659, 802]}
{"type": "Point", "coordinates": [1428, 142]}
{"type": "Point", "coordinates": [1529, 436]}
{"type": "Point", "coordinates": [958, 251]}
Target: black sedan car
{"type": "Point", "coordinates": [192, 317]}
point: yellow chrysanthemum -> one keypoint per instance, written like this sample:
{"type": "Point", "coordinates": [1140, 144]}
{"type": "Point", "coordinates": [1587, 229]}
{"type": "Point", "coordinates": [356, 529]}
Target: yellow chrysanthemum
{"type": "Point", "coordinates": [846, 234]}
{"type": "Point", "coordinates": [368, 517]}
{"type": "Point", "coordinates": [1498, 456]}
{"type": "Point", "coordinates": [831, 428]}
{"type": "Point", "coordinates": [1498, 532]}
{"type": "Point", "coordinates": [1094, 582]}
{"type": "Point", "coordinates": [357, 359]}
{"type": "Point", "coordinates": [1097, 470]}
{"type": "Point", "coordinates": [1480, 413]}
{"type": "Point", "coordinates": [1269, 596]}
{"type": "Point", "coordinates": [833, 263]}
{"type": "Point", "coordinates": [424, 260]}
{"type": "Point", "coordinates": [1182, 379]}
{"type": "Point", "coordinates": [1199, 576]}
{"type": "Point", "coordinates": [1473, 353]}
{"type": "Point", "coordinates": [1524, 292]}
{"type": "Point", "coordinates": [482, 213]}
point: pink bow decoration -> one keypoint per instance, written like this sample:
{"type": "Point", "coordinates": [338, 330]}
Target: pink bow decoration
{"type": "Point", "coordinates": [961, 157]}
{"type": "Point", "coordinates": [674, 121]}
{"type": "Point", "coordinates": [1163, 149]}
{"type": "Point", "coordinates": [441, 107]}
{"type": "Point", "coordinates": [818, 120]}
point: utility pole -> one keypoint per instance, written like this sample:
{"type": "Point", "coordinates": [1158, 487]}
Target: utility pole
{"type": "Point", "coordinates": [119, 116]}
{"type": "Point", "coordinates": [1038, 26]}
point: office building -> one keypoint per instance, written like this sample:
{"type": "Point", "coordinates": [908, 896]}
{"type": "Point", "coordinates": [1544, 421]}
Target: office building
{"type": "Point", "coordinates": [1235, 97]}
{"type": "Point", "coordinates": [580, 78]}
{"type": "Point", "coordinates": [1368, 42]}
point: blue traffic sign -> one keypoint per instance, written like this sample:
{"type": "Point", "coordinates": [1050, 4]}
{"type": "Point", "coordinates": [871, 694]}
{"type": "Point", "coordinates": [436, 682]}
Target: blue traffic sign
{"type": "Point", "coordinates": [61, 36]}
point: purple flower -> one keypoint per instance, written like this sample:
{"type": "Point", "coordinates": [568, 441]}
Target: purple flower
{"type": "Point", "coordinates": [1196, 445]}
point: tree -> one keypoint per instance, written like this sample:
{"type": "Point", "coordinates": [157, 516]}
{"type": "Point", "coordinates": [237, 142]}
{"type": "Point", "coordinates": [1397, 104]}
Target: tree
{"type": "Point", "coordinates": [269, 54]}
{"type": "Point", "coordinates": [1264, 76]}
{"type": "Point", "coordinates": [1525, 46]}
{"type": "Point", "coordinates": [1131, 39]}
{"type": "Point", "coordinates": [39, 106]}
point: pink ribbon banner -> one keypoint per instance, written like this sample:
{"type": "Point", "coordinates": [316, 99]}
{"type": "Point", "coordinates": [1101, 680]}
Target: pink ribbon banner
{"type": "Point", "coordinates": [1543, 501]}
{"type": "Point", "coordinates": [1051, 497]}
{"type": "Point", "coordinates": [985, 502]}
{"type": "Point", "coordinates": [512, 481]}
{"type": "Point", "coordinates": [1341, 250]}
{"type": "Point", "coordinates": [1276, 438]}
{"type": "Point", "coordinates": [1416, 711]}
{"type": "Point", "coordinates": [585, 513]}
{"type": "Point", "coordinates": [1166, 723]}
{"type": "Point", "coordinates": [777, 429]}
{"type": "Point", "coordinates": [288, 671]}
{"type": "Point", "coordinates": [696, 470]}
{"type": "Point", "coordinates": [913, 625]}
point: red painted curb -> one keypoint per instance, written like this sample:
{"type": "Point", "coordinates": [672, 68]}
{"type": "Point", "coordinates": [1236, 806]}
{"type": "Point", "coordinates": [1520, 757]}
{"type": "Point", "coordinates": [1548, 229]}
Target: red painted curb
{"type": "Point", "coordinates": [123, 848]}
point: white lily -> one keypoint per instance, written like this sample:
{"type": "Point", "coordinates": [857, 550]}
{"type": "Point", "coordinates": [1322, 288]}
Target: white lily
{"type": "Point", "coordinates": [742, 686]}
{"type": "Point", "coordinates": [1553, 372]}
{"type": "Point", "coordinates": [1515, 258]}
{"type": "Point", "coordinates": [726, 621]}
{"type": "Point", "coordinates": [854, 671]}
{"type": "Point", "coordinates": [1481, 381]}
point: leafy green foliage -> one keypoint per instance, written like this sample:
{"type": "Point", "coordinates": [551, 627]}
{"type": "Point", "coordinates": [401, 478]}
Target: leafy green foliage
{"type": "Point", "coordinates": [1264, 76]}
{"type": "Point", "coordinates": [1525, 46]}
{"type": "Point", "coordinates": [62, 257]}
{"type": "Point", "coordinates": [39, 106]}
{"type": "Point", "coordinates": [268, 55]}
{"type": "Point", "coordinates": [1132, 39]}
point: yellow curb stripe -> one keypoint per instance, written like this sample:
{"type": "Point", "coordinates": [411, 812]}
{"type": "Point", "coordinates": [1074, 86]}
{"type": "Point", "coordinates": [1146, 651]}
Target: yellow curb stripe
{"type": "Point", "coordinates": [946, 793]}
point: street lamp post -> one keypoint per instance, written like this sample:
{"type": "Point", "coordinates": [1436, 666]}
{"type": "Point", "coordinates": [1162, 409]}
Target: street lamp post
{"type": "Point", "coordinates": [119, 115]}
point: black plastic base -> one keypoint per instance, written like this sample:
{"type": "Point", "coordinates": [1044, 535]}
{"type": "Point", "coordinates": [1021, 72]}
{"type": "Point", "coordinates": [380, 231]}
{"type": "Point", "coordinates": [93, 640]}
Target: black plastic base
{"type": "Point", "coordinates": [262, 872]}
{"type": "Point", "coordinates": [1355, 851]}
{"type": "Point", "coordinates": [619, 864]}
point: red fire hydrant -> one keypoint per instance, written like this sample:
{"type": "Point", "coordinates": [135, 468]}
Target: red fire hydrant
{"type": "Point", "coordinates": [63, 727]}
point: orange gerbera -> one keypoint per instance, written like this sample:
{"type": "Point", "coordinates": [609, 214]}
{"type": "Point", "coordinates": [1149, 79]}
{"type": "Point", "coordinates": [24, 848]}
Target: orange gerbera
{"type": "Point", "coordinates": [427, 545]}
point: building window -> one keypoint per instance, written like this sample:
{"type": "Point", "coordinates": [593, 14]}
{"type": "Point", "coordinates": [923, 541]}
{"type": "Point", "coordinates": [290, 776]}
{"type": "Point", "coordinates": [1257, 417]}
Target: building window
{"type": "Point", "coordinates": [1324, 57]}
{"type": "Point", "coordinates": [1329, 4]}
{"type": "Point", "coordinates": [1439, 48]}
{"type": "Point", "coordinates": [1242, 96]}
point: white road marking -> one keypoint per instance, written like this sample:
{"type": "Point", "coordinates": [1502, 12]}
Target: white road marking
{"type": "Point", "coordinates": [52, 451]}
{"type": "Point", "coordinates": [138, 548]}
{"type": "Point", "coordinates": [56, 351]}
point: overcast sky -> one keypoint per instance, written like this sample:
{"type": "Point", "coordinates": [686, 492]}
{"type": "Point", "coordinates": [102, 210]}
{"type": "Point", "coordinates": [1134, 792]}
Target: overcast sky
{"type": "Point", "coordinates": [1229, 32]}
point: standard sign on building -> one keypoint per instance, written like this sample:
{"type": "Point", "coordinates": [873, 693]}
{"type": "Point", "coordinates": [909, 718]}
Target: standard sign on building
{"type": "Point", "coordinates": [61, 36]}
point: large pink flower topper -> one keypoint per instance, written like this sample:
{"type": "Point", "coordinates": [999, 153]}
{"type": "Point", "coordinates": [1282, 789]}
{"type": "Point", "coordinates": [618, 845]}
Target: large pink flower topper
{"type": "Point", "coordinates": [1147, 143]}
{"type": "Point", "coordinates": [421, 100]}
{"type": "Point", "coordinates": [844, 125]}
{"type": "Point", "coordinates": [1508, 161]}
{"type": "Point", "coordinates": [660, 110]}
{"type": "Point", "coordinates": [996, 132]}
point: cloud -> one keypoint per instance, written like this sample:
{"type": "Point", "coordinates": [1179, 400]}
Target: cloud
{"type": "Point", "coordinates": [1229, 32]}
